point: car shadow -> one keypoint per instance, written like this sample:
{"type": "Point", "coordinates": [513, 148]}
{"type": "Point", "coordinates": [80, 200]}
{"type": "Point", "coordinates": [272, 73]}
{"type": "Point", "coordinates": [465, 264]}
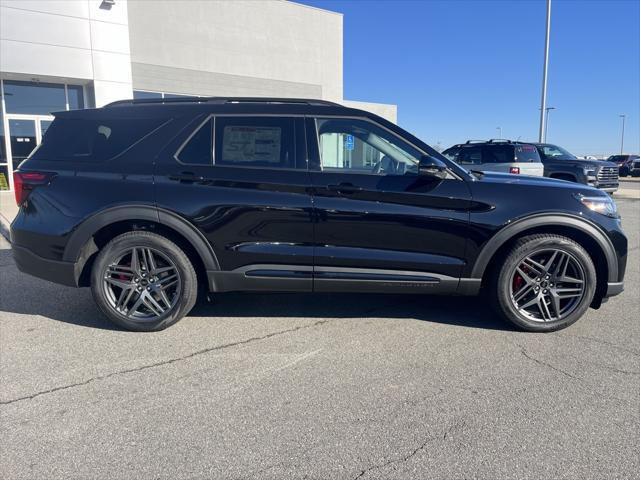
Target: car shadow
{"type": "Point", "coordinates": [26, 295]}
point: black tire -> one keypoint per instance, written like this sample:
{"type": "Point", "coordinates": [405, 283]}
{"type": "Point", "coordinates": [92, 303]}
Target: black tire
{"type": "Point", "coordinates": [503, 279]}
{"type": "Point", "coordinates": [183, 298]}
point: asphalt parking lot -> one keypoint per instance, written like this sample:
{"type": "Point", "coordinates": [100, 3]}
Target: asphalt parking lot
{"type": "Point", "coordinates": [325, 386]}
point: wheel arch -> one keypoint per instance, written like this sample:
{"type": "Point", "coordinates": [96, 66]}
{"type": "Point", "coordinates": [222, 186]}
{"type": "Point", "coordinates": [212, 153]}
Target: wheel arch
{"type": "Point", "coordinates": [94, 232]}
{"type": "Point", "coordinates": [586, 234]}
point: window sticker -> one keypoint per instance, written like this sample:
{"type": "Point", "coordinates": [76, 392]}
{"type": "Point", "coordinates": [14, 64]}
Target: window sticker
{"type": "Point", "coordinates": [251, 144]}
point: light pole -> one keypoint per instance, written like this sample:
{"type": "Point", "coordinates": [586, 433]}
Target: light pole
{"type": "Point", "coordinates": [543, 102]}
{"type": "Point", "coordinates": [624, 117]}
{"type": "Point", "coordinates": [546, 121]}
{"type": "Point", "coordinates": [499, 132]}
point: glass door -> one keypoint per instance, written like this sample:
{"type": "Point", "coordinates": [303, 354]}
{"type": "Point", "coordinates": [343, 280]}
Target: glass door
{"type": "Point", "coordinates": [23, 136]}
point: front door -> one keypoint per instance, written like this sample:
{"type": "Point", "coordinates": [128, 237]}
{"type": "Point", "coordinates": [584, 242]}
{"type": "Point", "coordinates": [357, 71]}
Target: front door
{"type": "Point", "coordinates": [24, 134]}
{"type": "Point", "coordinates": [380, 225]}
{"type": "Point", "coordinates": [250, 199]}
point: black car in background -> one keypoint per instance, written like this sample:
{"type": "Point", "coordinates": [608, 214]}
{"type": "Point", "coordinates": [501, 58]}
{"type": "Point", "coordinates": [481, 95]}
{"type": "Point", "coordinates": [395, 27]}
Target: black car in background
{"type": "Point", "coordinates": [150, 201]}
{"type": "Point", "coordinates": [560, 164]}
{"type": "Point", "coordinates": [626, 163]}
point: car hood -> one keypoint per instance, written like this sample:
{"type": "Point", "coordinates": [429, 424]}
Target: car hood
{"type": "Point", "coordinates": [582, 163]}
{"type": "Point", "coordinates": [528, 180]}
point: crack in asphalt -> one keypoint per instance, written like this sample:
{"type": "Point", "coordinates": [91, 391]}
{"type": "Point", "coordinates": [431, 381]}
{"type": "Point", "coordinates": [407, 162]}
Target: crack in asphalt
{"type": "Point", "coordinates": [443, 437]}
{"type": "Point", "coordinates": [186, 357]}
{"type": "Point", "coordinates": [544, 364]}
{"type": "Point", "coordinates": [163, 362]}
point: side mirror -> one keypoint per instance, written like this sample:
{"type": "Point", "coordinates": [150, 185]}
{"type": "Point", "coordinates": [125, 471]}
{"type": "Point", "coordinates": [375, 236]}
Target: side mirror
{"type": "Point", "coordinates": [431, 167]}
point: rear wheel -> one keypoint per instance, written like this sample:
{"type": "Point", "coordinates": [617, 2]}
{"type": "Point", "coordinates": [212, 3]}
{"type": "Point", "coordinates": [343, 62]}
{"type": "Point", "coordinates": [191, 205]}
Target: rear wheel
{"type": "Point", "coordinates": [545, 283]}
{"type": "Point", "coordinates": [143, 282]}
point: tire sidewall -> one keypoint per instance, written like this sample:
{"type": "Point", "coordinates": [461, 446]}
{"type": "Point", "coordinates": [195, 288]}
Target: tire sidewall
{"type": "Point", "coordinates": [157, 242]}
{"type": "Point", "coordinates": [517, 255]}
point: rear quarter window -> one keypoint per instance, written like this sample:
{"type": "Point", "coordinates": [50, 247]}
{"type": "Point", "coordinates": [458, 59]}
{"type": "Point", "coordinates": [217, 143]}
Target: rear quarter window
{"type": "Point", "coordinates": [81, 139]}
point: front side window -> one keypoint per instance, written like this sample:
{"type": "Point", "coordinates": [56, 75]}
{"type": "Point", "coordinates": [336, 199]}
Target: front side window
{"type": "Point", "coordinates": [553, 152]}
{"type": "Point", "coordinates": [358, 146]}
{"type": "Point", "coordinates": [258, 142]}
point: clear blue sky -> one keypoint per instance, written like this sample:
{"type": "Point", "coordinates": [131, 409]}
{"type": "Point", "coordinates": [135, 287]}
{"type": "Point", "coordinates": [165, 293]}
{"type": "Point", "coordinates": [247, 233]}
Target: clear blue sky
{"type": "Point", "coordinates": [459, 69]}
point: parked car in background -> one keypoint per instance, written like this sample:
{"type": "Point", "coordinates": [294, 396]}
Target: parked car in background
{"type": "Point", "coordinates": [624, 163]}
{"type": "Point", "coordinates": [148, 201]}
{"type": "Point", "coordinates": [497, 156]}
{"type": "Point", "coordinates": [560, 164]}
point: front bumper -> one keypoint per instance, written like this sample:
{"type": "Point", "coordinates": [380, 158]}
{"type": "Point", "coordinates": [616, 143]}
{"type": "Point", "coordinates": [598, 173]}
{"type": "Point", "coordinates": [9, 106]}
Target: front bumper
{"type": "Point", "coordinates": [614, 288]}
{"type": "Point", "coordinates": [56, 271]}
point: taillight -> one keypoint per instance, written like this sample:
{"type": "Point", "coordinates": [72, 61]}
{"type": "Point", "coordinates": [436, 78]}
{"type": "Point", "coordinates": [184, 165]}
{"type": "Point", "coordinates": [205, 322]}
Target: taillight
{"type": "Point", "coordinates": [25, 182]}
{"type": "Point", "coordinates": [514, 170]}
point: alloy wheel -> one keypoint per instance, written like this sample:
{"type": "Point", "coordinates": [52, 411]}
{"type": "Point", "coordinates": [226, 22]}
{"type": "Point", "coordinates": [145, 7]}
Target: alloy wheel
{"type": "Point", "coordinates": [547, 285]}
{"type": "Point", "coordinates": [142, 284]}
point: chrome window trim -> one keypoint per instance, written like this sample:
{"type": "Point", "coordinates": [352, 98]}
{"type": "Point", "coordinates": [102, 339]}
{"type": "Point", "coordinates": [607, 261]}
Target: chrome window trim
{"type": "Point", "coordinates": [176, 155]}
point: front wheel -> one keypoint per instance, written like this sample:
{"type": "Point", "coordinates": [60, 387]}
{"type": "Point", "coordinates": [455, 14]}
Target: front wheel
{"type": "Point", "coordinates": [545, 283]}
{"type": "Point", "coordinates": [144, 282]}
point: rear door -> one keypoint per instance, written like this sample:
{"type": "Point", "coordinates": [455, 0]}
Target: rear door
{"type": "Point", "coordinates": [243, 182]}
{"type": "Point", "coordinates": [380, 225]}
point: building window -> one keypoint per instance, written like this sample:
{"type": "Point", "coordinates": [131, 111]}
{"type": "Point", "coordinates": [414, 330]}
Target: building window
{"type": "Point", "coordinates": [34, 98]}
{"type": "Point", "coordinates": [144, 94]}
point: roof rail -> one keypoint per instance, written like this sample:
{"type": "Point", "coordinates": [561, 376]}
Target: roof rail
{"type": "Point", "coordinates": [222, 100]}
{"type": "Point", "coordinates": [474, 141]}
{"type": "Point", "coordinates": [499, 140]}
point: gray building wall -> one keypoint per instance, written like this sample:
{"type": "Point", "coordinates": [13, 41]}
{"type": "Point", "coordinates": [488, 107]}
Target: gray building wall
{"type": "Point", "coordinates": [239, 47]}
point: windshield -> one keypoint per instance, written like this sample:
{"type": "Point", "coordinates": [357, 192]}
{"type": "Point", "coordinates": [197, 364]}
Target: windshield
{"type": "Point", "coordinates": [557, 153]}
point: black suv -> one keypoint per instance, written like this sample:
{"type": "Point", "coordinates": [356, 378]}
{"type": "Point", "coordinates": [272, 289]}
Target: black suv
{"type": "Point", "coordinates": [560, 164]}
{"type": "Point", "coordinates": [150, 201]}
{"type": "Point", "coordinates": [627, 164]}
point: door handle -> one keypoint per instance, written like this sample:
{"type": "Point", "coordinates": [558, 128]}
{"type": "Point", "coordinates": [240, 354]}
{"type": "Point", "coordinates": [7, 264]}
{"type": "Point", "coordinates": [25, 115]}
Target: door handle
{"type": "Point", "coordinates": [345, 188]}
{"type": "Point", "coordinates": [186, 177]}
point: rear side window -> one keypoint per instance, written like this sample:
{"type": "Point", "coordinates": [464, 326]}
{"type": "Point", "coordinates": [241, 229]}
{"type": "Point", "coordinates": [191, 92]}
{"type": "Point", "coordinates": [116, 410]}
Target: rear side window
{"type": "Point", "coordinates": [497, 154]}
{"type": "Point", "coordinates": [470, 156]}
{"type": "Point", "coordinates": [527, 153]}
{"type": "Point", "coordinates": [83, 139]}
{"type": "Point", "coordinates": [255, 142]}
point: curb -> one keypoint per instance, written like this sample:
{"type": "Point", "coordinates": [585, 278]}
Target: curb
{"type": "Point", "coordinates": [5, 228]}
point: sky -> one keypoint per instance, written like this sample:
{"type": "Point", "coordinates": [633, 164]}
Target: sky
{"type": "Point", "coordinates": [459, 69]}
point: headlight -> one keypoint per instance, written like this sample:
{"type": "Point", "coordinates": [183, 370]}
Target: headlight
{"type": "Point", "coordinates": [589, 171]}
{"type": "Point", "coordinates": [604, 205]}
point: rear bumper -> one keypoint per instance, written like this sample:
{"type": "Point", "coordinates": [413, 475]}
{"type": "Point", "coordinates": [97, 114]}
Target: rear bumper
{"type": "Point", "coordinates": [53, 270]}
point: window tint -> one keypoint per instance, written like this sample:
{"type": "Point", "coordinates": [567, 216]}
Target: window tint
{"type": "Point", "coordinates": [358, 146]}
{"type": "Point", "coordinates": [87, 139]}
{"type": "Point", "coordinates": [527, 153]}
{"type": "Point", "coordinates": [255, 142]}
{"type": "Point", "coordinates": [497, 154]}
{"type": "Point", "coordinates": [556, 153]}
{"type": "Point", "coordinates": [470, 156]}
{"type": "Point", "coordinates": [198, 149]}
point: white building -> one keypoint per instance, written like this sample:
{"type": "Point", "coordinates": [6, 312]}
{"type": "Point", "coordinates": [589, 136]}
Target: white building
{"type": "Point", "coordinates": [67, 54]}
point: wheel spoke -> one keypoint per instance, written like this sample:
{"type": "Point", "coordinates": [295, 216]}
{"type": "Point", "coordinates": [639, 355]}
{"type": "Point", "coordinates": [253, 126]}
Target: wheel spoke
{"type": "Point", "coordinates": [151, 264]}
{"type": "Point", "coordinates": [544, 309]}
{"type": "Point", "coordinates": [135, 262]}
{"type": "Point", "coordinates": [536, 267]}
{"type": "Point", "coordinates": [125, 297]}
{"type": "Point", "coordinates": [531, 302]}
{"type": "Point", "coordinates": [152, 304]}
{"type": "Point", "coordinates": [522, 293]}
{"type": "Point", "coordinates": [116, 282]}
{"type": "Point", "coordinates": [135, 306]}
